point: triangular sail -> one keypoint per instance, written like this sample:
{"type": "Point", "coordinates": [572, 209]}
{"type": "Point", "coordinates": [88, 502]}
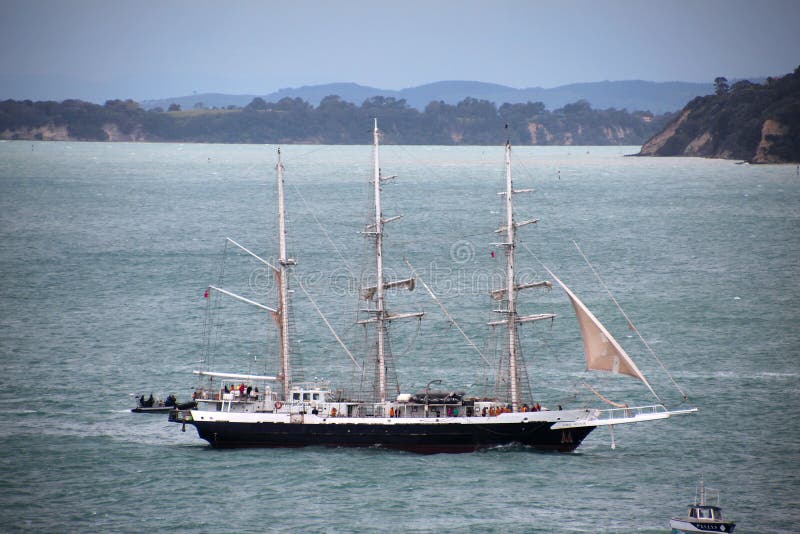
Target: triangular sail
{"type": "Point", "coordinates": [603, 353]}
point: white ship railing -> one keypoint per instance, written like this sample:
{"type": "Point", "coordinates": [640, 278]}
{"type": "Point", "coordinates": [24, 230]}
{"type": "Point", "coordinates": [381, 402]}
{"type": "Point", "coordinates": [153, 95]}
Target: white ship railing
{"type": "Point", "coordinates": [621, 416]}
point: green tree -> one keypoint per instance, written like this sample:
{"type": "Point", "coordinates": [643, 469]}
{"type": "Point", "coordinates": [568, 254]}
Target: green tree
{"type": "Point", "coordinates": [720, 85]}
{"type": "Point", "coordinates": [257, 104]}
{"type": "Point", "coordinates": [293, 104]}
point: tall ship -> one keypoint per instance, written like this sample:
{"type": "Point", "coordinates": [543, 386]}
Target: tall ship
{"type": "Point", "coordinates": [251, 410]}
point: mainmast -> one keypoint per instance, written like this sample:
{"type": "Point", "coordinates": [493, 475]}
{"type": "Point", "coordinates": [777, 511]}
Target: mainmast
{"type": "Point", "coordinates": [510, 289]}
{"type": "Point", "coordinates": [517, 377]}
{"type": "Point", "coordinates": [281, 273]}
{"type": "Point", "coordinates": [379, 304]}
{"type": "Point", "coordinates": [381, 317]}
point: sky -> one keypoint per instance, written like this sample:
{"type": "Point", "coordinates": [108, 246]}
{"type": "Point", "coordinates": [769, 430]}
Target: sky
{"type": "Point", "coordinates": [148, 49]}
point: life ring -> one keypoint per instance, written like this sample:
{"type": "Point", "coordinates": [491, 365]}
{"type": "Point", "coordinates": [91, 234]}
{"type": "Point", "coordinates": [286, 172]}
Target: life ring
{"type": "Point", "coordinates": [278, 405]}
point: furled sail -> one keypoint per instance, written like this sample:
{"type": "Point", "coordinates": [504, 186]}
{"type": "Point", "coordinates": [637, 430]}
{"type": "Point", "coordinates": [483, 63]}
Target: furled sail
{"type": "Point", "coordinates": [368, 293]}
{"type": "Point", "coordinates": [603, 353]}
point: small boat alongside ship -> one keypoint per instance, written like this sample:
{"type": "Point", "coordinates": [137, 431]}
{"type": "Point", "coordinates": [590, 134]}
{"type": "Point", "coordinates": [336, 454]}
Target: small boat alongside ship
{"type": "Point", "coordinates": [248, 410]}
{"type": "Point", "coordinates": [156, 405]}
{"type": "Point", "coordinates": [702, 516]}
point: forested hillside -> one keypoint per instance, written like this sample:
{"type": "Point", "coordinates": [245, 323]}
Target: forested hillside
{"type": "Point", "coordinates": [759, 123]}
{"type": "Point", "coordinates": [333, 121]}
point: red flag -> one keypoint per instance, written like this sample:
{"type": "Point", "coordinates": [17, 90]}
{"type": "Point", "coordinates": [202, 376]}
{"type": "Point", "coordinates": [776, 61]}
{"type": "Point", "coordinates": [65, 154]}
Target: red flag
{"type": "Point", "coordinates": [205, 294]}
{"type": "Point", "coordinates": [493, 253]}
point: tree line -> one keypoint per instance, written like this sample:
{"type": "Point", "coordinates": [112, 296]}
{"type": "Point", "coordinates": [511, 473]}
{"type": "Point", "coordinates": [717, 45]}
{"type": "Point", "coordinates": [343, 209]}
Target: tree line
{"type": "Point", "coordinates": [334, 121]}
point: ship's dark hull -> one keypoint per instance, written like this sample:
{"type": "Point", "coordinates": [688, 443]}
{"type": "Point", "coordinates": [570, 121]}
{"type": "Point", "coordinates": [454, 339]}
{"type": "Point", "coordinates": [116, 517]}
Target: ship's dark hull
{"type": "Point", "coordinates": [426, 439]}
{"type": "Point", "coordinates": [687, 527]}
{"type": "Point", "coordinates": [153, 409]}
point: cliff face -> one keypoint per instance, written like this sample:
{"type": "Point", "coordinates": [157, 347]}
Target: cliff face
{"type": "Point", "coordinates": [654, 146]}
{"type": "Point", "coordinates": [583, 134]}
{"type": "Point", "coordinates": [770, 132]}
{"type": "Point", "coordinates": [48, 132]}
{"type": "Point", "coordinates": [51, 132]}
{"type": "Point", "coordinates": [755, 123]}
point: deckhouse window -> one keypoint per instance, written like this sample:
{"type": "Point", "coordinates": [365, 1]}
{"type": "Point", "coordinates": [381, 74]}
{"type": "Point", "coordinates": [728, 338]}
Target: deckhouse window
{"type": "Point", "coordinates": [306, 396]}
{"type": "Point", "coordinates": [316, 396]}
{"type": "Point", "coordinates": [296, 396]}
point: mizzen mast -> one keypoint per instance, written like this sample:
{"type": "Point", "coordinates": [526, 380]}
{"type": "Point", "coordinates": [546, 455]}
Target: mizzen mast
{"type": "Point", "coordinates": [281, 275]}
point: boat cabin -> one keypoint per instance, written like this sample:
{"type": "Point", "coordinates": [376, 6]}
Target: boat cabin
{"type": "Point", "coordinates": [228, 392]}
{"type": "Point", "coordinates": [310, 394]}
{"type": "Point", "coordinates": [705, 512]}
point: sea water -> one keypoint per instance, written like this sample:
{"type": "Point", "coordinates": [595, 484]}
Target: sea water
{"type": "Point", "coordinates": [106, 250]}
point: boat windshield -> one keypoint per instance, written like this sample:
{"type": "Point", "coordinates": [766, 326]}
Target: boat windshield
{"type": "Point", "coordinates": [705, 512]}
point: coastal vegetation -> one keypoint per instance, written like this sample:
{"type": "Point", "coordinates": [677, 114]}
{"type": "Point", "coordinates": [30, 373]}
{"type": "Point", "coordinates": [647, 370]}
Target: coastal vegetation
{"type": "Point", "coordinates": [759, 123]}
{"type": "Point", "coordinates": [333, 121]}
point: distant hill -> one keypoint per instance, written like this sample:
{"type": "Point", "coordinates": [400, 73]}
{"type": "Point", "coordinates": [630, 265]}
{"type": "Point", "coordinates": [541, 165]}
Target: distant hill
{"type": "Point", "coordinates": [747, 121]}
{"type": "Point", "coordinates": [655, 97]}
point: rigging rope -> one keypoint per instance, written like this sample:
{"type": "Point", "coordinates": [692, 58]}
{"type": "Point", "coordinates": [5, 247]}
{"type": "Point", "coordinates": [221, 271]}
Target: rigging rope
{"type": "Point", "coordinates": [446, 313]}
{"type": "Point", "coordinates": [604, 399]}
{"type": "Point", "coordinates": [630, 323]}
{"type": "Point", "coordinates": [327, 235]}
{"type": "Point", "coordinates": [316, 307]}
{"type": "Point", "coordinates": [413, 341]}
{"type": "Point", "coordinates": [214, 317]}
